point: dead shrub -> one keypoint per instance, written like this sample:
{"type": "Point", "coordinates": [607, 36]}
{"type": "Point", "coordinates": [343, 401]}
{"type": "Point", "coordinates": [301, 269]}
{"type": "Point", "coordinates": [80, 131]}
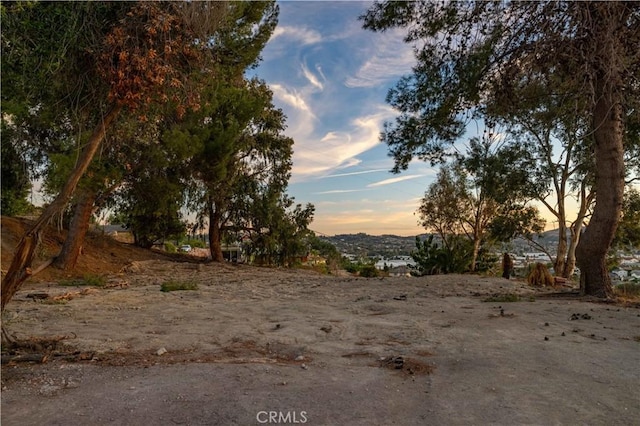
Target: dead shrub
{"type": "Point", "coordinates": [540, 276]}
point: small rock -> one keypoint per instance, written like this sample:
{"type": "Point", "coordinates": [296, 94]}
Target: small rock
{"type": "Point", "coordinates": [304, 366]}
{"type": "Point", "coordinates": [546, 338]}
{"type": "Point", "coordinates": [161, 351]}
{"type": "Point", "coordinates": [300, 358]}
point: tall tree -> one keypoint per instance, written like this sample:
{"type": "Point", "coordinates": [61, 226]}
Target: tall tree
{"type": "Point", "coordinates": [14, 181]}
{"type": "Point", "coordinates": [547, 127]}
{"type": "Point", "coordinates": [101, 58]}
{"type": "Point", "coordinates": [237, 126]}
{"type": "Point", "coordinates": [468, 50]}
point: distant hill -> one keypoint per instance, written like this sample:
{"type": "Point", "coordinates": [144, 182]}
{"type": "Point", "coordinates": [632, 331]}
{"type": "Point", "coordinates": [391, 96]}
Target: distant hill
{"type": "Point", "coordinates": [365, 245]}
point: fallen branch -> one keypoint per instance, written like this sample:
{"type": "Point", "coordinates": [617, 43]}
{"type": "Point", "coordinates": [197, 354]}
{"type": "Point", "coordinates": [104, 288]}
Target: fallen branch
{"type": "Point", "coordinates": [39, 358]}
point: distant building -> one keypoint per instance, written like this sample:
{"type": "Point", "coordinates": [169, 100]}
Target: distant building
{"type": "Point", "coordinates": [400, 271]}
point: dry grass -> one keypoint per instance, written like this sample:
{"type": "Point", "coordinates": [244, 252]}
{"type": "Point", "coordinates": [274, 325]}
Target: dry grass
{"type": "Point", "coordinates": [540, 276]}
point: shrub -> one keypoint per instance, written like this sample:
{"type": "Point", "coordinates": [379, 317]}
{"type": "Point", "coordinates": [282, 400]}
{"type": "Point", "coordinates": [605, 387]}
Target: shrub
{"type": "Point", "coordinates": [88, 279]}
{"type": "Point", "coordinates": [540, 276]}
{"type": "Point", "coordinates": [369, 271]}
{"type": "Point", "coordinates": [627, 289]}
{"type": "Point", "coordinates": [172, 285]}
{"type": "Point", "coordinates": [94, 280]}
{"type": "Point", "coordinates": [170, 248]}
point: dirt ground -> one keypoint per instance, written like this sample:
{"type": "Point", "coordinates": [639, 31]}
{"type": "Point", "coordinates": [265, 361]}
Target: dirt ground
{"type": "Point", "coordinates": [257, 346]}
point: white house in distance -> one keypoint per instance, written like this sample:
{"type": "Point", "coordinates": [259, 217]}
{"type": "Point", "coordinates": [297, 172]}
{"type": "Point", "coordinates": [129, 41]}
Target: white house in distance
{"type": "Point", "coordinates": [395, 262]}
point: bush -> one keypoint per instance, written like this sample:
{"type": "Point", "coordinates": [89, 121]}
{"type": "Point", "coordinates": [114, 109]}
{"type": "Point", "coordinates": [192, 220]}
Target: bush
{"type": "Point", "coordinates": [170, 248]}
{"type": "Point", "coordinates": [432, 259]}
{"type": "Point", "coordinates": [94, 280]}
{"type": "Point", "coordinates": [194, 242]}
{"type": "Point", "coordinates": [369, 271]}
{"type": "Point", "coordinates": [627, 289]}
{"type": "Point", "coordinates": [172, 285]}
{"type": "Point", "coordinates": [540, 276]}
{"type": "Point", "coordinates": [88, 279]}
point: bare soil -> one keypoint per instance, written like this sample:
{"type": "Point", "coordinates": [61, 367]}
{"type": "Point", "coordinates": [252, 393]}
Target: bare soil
{"type": "Point", "coordinates": [262, 346]}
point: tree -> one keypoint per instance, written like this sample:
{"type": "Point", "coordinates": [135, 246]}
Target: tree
{"type": "Point", "coordinates": [234, 48]}
{"type": "Point", "coordinates": [434, 259]}
{"type": "Point", "coordinates": [15, 178]}
{"type": "Point", "coordinates": [468, 50]}
{"type": "Point", "coordinates": [451, 210]}
{"type": "Point", "coordinates": [551, 136]}
{"type": "Point", "coordinates": [150, 193]}
{"type": "Point", "coordinates": [100, 57]}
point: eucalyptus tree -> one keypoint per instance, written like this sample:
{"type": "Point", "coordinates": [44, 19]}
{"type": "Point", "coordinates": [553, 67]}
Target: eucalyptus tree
{"type": "Point", "coordinates": [468, 51]}
{"type": "Point", "coordinates": [89, 61]}
{"type": "Point", "coordinates": [477, 198]}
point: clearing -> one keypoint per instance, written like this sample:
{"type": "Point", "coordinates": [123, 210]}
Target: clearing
{"type": "Point", "coordinates": [260, 345]}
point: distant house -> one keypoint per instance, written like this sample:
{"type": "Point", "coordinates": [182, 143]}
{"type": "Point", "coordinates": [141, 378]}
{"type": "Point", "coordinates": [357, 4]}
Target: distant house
{"type": "Point", "coordinates": [400, 271]}
{"type": "Point", "coordinates": [232, 253]}
{"type": "Point", "coordinates": [117, 232]}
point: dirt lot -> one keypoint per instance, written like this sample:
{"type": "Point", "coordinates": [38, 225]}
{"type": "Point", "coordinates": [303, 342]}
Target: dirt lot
{"type": "Point", "coordinates": [263, 346]}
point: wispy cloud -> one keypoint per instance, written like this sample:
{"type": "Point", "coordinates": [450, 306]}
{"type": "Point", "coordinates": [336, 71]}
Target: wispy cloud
{"type": "Point", "coordinates": [311, 77]}
{"type": "Point", "coordinates": [340, 191]}
{"type": "Point", "coordinates": [300, 35]}
{"type": "Point", "coordinates": [393, 180]}
{"type": "Point", "coordinates": [317, 155]}
{"type": "Point", "coordinates": [356, 173]}
{"type": "Point", "coordinates": [389, 58]}
{"type": "Point", "coordinates": [290, 97]}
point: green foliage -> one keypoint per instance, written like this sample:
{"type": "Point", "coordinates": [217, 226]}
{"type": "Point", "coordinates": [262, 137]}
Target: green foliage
{"type": "Point", "coordinates": [87, 279]}
{"type": "Point", "coordinates": [459, 207]}
{"type": "Point", "coordinates": [628, 232]}
{"type": "Point", "coordinates": [363, 269]}
{"type": "Point", "coordinates": [14, 181]}
{"type": "Point", "coordinates": [432, 258]}
{"type": "Point", "coordinates": [326, 250]}
{"type": "Point", "coordinates": [169, 247]}
{"type": "Point", "coordinates": [94, 280]}
{"type": "Point", "coordinates": [173, 285]}
{"type": "Point", "coordinates": [194, 242]}
{"type": "Point", "coordinates": [369, 271]}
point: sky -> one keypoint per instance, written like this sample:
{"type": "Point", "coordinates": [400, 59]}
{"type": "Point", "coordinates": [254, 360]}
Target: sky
{"type": "Point", "coordinates": [330, 77]}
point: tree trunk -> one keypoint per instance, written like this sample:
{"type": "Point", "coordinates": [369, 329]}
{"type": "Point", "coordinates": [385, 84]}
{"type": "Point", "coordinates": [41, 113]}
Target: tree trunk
{"type": "Point", "coordinates": [78, 228]}
{"type": "Point", "coordinates": [576, 232]}
{"type": "Point", "coordinates": [474, 255]}
{"type": "Point", "coordinates": [561, 254]}
{"type": "Point", "coordinates": [608, 150]}
{"type": "Point", "coordinates": [20, 268]}
{"type": "Point", "coordinates": [215, 236]}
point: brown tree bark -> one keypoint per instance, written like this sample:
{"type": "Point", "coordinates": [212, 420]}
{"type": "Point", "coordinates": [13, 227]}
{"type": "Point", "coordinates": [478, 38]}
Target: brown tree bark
{"type": "Point", "coordinates": [20, 268]}
{"type": "Point", "coordinates": [561, 253]}
{"type": "Point", "coordinates": [604, 19]}
{"type": "Point", "coordinates": [576, 231]}
{"type": "Point", "coordinates": [78, 228]}
{"type": "Point", "coordinates": [215, 236]}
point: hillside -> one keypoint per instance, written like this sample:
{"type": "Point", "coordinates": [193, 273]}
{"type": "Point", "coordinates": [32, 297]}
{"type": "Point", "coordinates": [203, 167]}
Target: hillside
{"type": "Point", "coordinates": [101, 254]}
{"type": "Point", "coordinates": [394, 245]}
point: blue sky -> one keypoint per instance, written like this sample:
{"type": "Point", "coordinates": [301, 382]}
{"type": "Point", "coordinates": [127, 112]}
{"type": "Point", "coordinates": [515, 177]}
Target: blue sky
{"type": "Point", "coordinates": [331, 77]}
